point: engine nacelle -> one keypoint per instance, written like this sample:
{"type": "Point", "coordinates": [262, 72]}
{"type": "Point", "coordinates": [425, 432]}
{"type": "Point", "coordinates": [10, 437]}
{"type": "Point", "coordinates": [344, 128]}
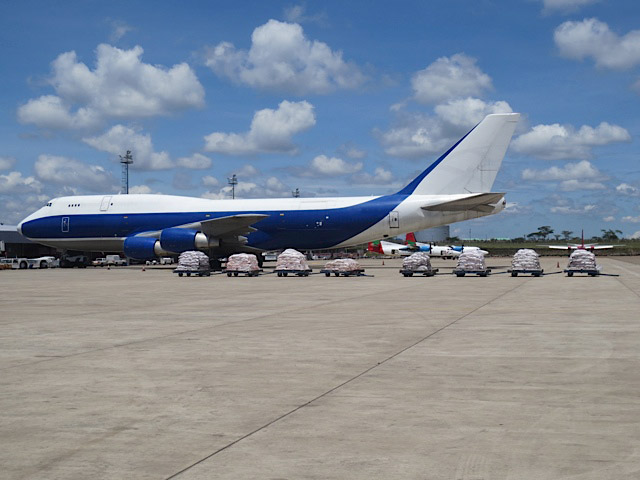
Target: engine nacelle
{"type": "Point", "coordinates": [140, 248]}
{"type": "Point", "coordinates": [178, 240]}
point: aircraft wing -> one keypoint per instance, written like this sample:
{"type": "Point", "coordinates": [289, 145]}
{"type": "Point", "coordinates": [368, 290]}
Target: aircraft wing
{"type": "Point", "coordinates": [481, 202]}
{"type": "Point", "coordinates": [233, 225]}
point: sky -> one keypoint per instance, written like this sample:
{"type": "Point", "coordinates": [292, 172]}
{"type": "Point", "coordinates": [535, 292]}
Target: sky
{"type": "Point", "coordinates": [330, 98]}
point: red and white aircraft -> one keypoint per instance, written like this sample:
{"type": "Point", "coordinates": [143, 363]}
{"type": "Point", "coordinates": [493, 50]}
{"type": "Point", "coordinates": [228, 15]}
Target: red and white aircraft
{"type": "Point", "coordinates": [581, 246]}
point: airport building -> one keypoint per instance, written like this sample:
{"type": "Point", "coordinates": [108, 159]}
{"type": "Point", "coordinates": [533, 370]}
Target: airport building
{"type": "Point", "coordinates": [12, 244]}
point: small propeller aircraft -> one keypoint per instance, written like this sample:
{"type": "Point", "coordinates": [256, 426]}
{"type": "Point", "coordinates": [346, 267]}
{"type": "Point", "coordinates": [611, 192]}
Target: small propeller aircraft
{"type": "Point", "coordinates": [581, 246]}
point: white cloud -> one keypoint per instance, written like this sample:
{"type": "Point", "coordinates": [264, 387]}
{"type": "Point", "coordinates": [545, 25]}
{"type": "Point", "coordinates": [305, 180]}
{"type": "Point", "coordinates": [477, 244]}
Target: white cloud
{"type": "Point", "coordinates": [557, 142]}
{"type": "Point", "coordinates": [74, 174]}
{"type": "Point", "coordinates": [610, 218]}
{"type": "Point", "coordinates": [270, 132]}
{"type": "Point", "coordinates": [468, 112]}
{"type": "Point", "coordinates": [6, 163]}
{"type": "Point", "coordinates": [630, 219]}
{"type": "Point", "coordinates": [380, 176]}
{"type": "Point", "coordinates": [272, 188]}
{"type": "Point", "coordinates": [296, 14]}
{"type": "Point", "coordinates": [247, 171]}
{"type": "Point", "coordinates": [333, 166]}
{"type": "Point", "coordinates": [142, 189]}
{"type": "Point", "coordinates": [281, 58]}
{"type": "Point", "coordinates": [573, 210]}
{"type": "Point", "coordinates": [565, 5]}
{"type": "Point", "coordinates": [574, 185]}
{"type": "Point", "coordinates": [197, 161]}
{"type": "Point", "coordinates": [593, 38]}
{"type": "Point", "coordinates": [120, 86]}
{"type": "Point", "coordinates": [448, 78]}
{"type": "Point", "coordinates": [626, 189]}
{"type": "Point", "coordinates": [416, 135]}
{"type": "Point", "coordinates": [571, 171]}
{"type": "Point", "coordinates": [635, 235]}
{"type": "Point", "coordinates": [210, 181]}
{"type": "Point", "coordinates": [119, 30]}
{"type": "Point", "coordinates": [119, 139]}
{"type": "Point", "coordinates": [14, 182]}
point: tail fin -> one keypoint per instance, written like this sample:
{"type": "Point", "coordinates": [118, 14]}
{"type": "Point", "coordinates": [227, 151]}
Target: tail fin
{"type": "Point", "coordinates": [471, 165]}
{"type": "Point", "coordinates": [410, 239]}
{"type": "Point", "coordinates": [375, 247]}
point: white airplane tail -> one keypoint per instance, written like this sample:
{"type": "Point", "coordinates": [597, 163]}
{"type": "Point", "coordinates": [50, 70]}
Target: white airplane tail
{"type": "Point", "coordinates": [471, 165]}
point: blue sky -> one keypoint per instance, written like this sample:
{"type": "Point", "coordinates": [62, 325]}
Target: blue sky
{"type": "Point", "coordinates": [332, 98]}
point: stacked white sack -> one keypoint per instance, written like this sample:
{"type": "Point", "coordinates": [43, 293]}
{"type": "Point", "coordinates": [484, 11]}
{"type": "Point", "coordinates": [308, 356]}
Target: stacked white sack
{"type": "Point", "coordinates": [582, 260]}
{"type": "Point", "coordinates": [291, 259]}
{"type": "Point", "coordinates": [243, 262]}
{"type": "Point", "coordinates": [416, 262]}
{"type": "Point", "coordinates": [525, 259]}
{"type": "Point", "coordinates": [193, 260]}
{"type": "Point", "coordinates": [472, 261]}
{"type": "Point", "coordinates": [342, 265]}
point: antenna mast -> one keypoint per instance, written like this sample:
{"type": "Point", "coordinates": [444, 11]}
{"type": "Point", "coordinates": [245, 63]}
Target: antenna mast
{"type": "Point", "coordinates": [233, 181]}
{"type": "Point", "coordinates": [126, 161]}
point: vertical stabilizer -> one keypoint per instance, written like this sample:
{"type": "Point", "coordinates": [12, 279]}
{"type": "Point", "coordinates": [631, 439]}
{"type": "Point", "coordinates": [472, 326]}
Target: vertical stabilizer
{"type": "Point", "coordinates": [471, 165]}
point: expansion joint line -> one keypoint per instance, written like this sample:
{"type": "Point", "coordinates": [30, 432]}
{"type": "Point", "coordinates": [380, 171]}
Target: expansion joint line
{"type": "Point", "coordinates": [346, 382]}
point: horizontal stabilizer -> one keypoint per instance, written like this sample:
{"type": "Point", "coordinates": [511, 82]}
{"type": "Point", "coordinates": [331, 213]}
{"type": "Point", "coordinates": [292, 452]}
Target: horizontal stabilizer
{"type": "Point", "coordinates": [481, 202]}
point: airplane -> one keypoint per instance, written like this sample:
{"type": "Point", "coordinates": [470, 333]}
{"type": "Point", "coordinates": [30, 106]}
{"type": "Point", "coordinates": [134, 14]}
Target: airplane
{"type": "Point", "coordinates": [455, 187]}
{"type": "Point", "coordinates": [413, 246]}
{"type": "Point", "coordinates": [450, 251]}
{"type": "Point", "coordinates": [581, 246]}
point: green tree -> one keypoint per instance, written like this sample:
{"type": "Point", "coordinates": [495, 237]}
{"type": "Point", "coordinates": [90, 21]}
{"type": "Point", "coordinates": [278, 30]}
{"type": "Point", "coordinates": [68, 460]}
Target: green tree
{"type": "Point", "coordinates": [610, 235]}
{"type": "Point", "coordinates": [544, 231]}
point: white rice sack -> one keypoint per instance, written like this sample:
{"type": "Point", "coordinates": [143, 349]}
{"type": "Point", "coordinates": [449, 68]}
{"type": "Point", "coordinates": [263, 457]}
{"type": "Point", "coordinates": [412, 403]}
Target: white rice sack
{"type": "Point", "coordinates": [193, 260]}
{"type": "Point", "coordinates": [418, 261]}
{"type": "Point", "coordinates": [582, 260]}
{"type": "Point", "coordinates": [525, 259]}
{"type": "Point", "coordinates": [471, 261]}
{"type": "Point", "coordinates": [243, 262]}
{"type": "Point", "coordinates": [291, 259]}
{"type": "Point", "coordinates": [342, 265]}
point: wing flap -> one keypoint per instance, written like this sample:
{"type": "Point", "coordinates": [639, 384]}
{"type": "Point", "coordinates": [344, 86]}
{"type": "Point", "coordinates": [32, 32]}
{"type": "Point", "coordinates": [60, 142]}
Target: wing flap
{"type": "Point", "coordinates": [481, 202]}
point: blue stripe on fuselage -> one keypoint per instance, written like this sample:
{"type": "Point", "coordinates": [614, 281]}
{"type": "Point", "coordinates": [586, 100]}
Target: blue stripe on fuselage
{"type": "Point", "coordinates": [304, 229]}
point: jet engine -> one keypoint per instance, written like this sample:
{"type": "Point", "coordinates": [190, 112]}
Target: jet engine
{"type": "Point", "coordinates": [172, 240]}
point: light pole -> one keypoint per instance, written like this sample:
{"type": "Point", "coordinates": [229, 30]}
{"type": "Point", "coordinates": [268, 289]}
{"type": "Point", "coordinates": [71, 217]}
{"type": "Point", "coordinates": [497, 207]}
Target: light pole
{"type": "Point", "coordinates": [126, 161]}
{"type": "Point", "coordinates": [233, 181]}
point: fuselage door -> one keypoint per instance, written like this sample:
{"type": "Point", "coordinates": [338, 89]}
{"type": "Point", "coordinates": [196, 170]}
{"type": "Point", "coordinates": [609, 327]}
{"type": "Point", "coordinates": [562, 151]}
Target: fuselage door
{"type": "Point", "coordinates": [104, 206]}
{"type": "Point", "coordinates": [394, 219]}
{"type": "Point", "coordinates": [65, 225]}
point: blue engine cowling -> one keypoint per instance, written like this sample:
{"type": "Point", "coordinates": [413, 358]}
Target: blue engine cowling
{"type": "Point", "coordinates": [140, 248]}
{"type": "Point", "coordinates": [180, 240]}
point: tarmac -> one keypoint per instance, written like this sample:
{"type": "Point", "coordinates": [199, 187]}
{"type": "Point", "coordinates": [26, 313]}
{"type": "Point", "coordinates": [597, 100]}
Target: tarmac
{"type": "Point", "coordinates": [124, 373]}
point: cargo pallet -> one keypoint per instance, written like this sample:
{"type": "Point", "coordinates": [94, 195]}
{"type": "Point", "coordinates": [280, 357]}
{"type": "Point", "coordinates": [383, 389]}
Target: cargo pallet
{"type": "Point", "coordinates": [247, 273]}
{"type": "Point", "coordinates": [194, 272]}
{"type": "Point", "coordinates": [516, 271]}
{"type": "Point", "coordinates": [480, 273]}
{"type": "Point", "coordinates": [590, 271]}
{"type": "Point", "coordinates": [345, 273]}
{"type": "Point", "coordinates": [299, 273]}
{"type": "Point", "coordinates": [410, 273]}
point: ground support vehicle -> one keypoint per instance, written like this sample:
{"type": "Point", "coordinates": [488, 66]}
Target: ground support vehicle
{"type": "Point", "coordinates": [15, 263]}
{"type": "Point", "coordinates": [44, 262]}
{"type": "Point", "coordinates": [592, 272]}
{"type": "Point", "coordinates": [71, 261]}
{"type": "Point", "coordinates": [99, 262]}
{"type": "Point", "coordinates": [458, 272]}
{"type": "Point", "coordinates": [196, 272]}
{"type": "Point", "coordinates": [246, 273]}
{"type": "Point", "coordinates": [299, 273]}
{"type": "Point", "coordinates": [426, 272]}
{"type": "Point", "coordinates": [535, 273]}
{"type": "Point", "coordinates": [345, 273]}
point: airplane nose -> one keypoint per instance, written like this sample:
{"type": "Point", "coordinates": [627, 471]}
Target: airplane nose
{"type": "Point", "coordinates": [20, 228]}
